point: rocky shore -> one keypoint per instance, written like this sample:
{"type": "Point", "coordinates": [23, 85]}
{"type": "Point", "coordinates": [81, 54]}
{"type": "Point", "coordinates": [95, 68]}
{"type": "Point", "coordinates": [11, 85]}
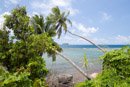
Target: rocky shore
{"type": "Point", "coordinates": [67, 79]}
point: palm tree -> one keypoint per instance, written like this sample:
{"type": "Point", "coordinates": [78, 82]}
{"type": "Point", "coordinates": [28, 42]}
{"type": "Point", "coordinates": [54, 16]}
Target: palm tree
{"type": "Point", "coordinates": [56, 22]}
{"type": "Point", "coordinates": [38, 24]}
{"type": "Point", "coordinates": [60, 20]}
{"type": "Point", "coordinates": [42, 26]}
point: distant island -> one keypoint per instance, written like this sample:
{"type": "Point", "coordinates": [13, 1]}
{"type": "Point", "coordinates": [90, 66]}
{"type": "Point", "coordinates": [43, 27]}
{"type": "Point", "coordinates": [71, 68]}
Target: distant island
{"type": "Point", "coordinates": [65, 44]}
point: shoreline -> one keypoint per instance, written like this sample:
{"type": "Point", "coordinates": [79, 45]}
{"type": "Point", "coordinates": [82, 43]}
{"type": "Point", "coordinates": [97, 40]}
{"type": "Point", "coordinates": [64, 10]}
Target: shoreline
{"type": "Point", "coordinates": [77, 76]}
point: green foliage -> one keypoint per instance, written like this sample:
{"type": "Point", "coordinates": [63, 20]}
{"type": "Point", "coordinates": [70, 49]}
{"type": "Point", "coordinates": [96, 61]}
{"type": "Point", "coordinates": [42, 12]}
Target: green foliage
{"type": "Point", "coordinates": [17, 79]}
{"type": "Point", "coordinates": [21, 62]}
{"type": "Point", "coordinates": [18, 21]}
{"type": "Point", "coordinates": [81, 84]}
{"type": "Point", "coordinates": [116, 70]}
{"type": "Point", "coordinates": [85, 61]}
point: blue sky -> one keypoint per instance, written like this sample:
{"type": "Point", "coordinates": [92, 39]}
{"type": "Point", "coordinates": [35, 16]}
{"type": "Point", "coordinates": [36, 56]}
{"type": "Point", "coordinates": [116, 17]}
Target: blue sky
{"type": "Point", "coordinates": [102, 21]}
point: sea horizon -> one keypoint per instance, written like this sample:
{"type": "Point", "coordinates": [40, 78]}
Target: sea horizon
{"type": "Point", "coordinates": [93, 46]}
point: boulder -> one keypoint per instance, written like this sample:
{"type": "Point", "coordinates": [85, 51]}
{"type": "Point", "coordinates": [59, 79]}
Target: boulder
{"type": "Point", "coordinates": [64, 80]}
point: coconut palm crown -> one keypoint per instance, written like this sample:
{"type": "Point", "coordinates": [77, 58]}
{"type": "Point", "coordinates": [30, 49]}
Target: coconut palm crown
{"type": "Point", "coordinates": [59, 20]}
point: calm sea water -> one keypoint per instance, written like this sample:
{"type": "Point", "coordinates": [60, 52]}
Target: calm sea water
{"type": "Point", "coordinates": [76, 53]}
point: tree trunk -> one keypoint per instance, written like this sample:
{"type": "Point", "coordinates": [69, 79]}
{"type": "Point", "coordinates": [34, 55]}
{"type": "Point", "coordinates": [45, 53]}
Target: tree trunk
{"type": "Point", "coordinates": [88, 41]}
{"type": "Point", "coordinates": [74, 65]}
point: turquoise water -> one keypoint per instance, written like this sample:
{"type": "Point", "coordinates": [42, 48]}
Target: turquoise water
{"type": "Point", "coordinates": [76, 55]}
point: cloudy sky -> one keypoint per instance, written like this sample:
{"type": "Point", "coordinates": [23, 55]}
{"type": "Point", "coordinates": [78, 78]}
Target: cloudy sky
{"type": "Point", "coordinates": [102, 21]}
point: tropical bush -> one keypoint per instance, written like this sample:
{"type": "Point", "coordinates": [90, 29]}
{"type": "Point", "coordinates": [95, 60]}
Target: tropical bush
{"type": "Point", "coordinates": [116, 70]}
{"type": "Point", "coordinates": [21, 62]}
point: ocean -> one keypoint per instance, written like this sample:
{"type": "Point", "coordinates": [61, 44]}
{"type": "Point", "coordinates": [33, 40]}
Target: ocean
{"type": "Point", "coordinates": [76, 54]}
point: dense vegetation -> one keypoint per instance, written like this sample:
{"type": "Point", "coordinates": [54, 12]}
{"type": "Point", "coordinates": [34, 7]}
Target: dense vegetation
{"type": "Point", "coordinates": [116, 70]}
{"type": "Point", "coordinates": [21, 62]}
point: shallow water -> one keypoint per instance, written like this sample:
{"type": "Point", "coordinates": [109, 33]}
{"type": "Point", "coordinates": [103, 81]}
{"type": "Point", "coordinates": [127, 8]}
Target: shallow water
{"type": "Point", "coordinates": [76, 55]}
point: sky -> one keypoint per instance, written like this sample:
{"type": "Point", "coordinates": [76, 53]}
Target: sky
{"type": "Point", "coordinates": [102, 21]}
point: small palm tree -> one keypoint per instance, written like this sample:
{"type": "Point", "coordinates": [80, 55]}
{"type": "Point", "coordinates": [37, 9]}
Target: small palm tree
{"type": "Point", "coordinates": [42, 26]}
{"type": "Point", "coordinates": [38, 24]}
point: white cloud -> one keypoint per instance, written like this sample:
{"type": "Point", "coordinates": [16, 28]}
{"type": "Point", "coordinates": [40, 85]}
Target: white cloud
{"type": "Point", "coordinates": [105, 16]}
{"type": "Point", "coordinates": [61, 3]}
{"type": "Point", "coordinates": [44, 7]}
{"type": "Point", "coordinates": [85, 30]}
{"type": "Point", "coordinates": [72, 11]}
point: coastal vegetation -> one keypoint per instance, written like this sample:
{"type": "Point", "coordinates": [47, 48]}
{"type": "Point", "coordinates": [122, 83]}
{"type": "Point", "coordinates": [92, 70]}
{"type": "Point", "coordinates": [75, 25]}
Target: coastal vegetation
{"type": "Point", "coordinates": [21, 62]}
{"type": "Point", "coordinates": [115, 70]}
{"type": "Point", "coordinates": [24, 39]}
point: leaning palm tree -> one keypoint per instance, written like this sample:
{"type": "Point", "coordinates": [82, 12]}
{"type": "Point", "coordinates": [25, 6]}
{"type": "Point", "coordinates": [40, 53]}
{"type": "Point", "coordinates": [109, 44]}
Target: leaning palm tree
{"type": "Point", "coordinates": [60, 20]}
{"type": "Point", "coordinates": [46, 26]}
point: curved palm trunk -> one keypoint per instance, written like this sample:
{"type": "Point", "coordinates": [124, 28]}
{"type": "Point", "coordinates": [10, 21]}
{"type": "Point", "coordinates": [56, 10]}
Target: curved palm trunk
{"type": "Point", "coordinates": [74, 65]}
{"type": "Point", "coordinates": [88, 41]}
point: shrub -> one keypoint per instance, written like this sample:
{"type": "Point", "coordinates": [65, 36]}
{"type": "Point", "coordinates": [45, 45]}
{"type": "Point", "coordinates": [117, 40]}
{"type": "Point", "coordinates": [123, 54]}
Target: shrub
{"type": "Point", "coordinates": [116, 70]}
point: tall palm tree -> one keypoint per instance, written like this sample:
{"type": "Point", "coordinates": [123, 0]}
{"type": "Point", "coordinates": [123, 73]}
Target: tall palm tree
{"type": "Point", "coordinates": [60, 20]}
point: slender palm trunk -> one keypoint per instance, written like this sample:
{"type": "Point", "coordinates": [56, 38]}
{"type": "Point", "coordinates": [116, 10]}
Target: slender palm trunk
{"type": "Point", "coordinates": [88, 41]}
{"type": "Point", "coordinates": [74, 65]}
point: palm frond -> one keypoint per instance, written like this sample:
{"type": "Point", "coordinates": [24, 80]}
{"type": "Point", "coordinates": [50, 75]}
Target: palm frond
{"type": "Point", "coordinates": [64, 27]}
{"type": "Point", "coordinates": [56, 10]}
{"type": "Point", "coordinates": [69, 21]}
{"type": "Point", "coordinates": [59, 31]}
